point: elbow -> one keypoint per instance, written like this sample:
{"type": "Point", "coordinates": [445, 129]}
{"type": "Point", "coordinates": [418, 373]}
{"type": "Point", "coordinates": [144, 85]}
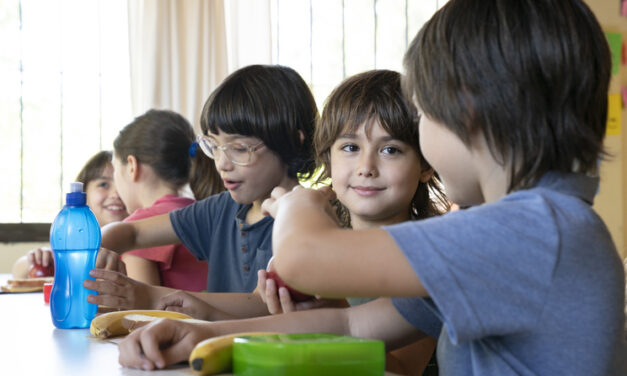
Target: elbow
{"type": "Point", "coordinates": [116, 236]}
{"type": "Point", "coordinates": [289, 257]}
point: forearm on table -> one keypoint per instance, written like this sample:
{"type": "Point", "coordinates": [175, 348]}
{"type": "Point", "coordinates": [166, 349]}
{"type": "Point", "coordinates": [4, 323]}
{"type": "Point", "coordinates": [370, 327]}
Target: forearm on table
{"type": "Point", "coordinates": [328, 320]}
{"type": "Point", "coordinates": [235, 305]}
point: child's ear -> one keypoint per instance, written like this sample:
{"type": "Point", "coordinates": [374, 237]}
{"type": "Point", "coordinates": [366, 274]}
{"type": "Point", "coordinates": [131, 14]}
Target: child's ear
{"type": "Point", "coordinates": [132, 167]}
{"type": "Point", "coordinates": [426, 174]}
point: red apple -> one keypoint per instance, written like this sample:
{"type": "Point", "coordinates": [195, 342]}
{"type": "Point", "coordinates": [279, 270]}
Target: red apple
{"type": "Point", "coordinates": [37, 271]}
{"type": "Point", "coordinates": [297, 296]}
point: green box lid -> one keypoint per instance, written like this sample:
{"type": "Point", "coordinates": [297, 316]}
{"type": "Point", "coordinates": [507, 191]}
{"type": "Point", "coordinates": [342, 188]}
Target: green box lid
{"type": "Point", "coordinates": [307, 354]}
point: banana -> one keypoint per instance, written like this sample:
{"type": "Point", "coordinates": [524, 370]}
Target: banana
{"type": "Point", "coordinates": [215, 355]}
{"type": "Point", "coordinates": [110, 324]}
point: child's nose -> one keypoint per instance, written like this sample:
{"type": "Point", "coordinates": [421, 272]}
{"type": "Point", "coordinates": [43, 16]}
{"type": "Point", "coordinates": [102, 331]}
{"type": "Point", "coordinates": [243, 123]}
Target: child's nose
{"type": "Point", "coordinates": [113, 192]}
{"type": "Point", "coordinates": [367, 166]}
{"type": "Point", "coordinates": [222, 162]}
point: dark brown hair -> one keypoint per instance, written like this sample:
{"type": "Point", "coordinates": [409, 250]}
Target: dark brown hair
{"type": "Point", "coordinates": [532, 76]}
{"type": "Point", "coordinates": [162, 140]}
{"type": "Point", "coordinates": [362, 99]}
{"type": "Point", "coordinates": [272, 103]}
{"type": "Point", "coordinates": [94, 168]}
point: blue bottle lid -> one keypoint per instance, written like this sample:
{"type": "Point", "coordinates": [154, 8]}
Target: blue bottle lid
{"type": "Point", "coordinates": [76, 196]}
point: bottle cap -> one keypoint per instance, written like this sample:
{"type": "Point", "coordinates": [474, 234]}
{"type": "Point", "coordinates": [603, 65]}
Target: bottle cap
{"type": "Point", "coordinates": [76, 186]}
{"type": "Point", "coordinates": [76, 196]}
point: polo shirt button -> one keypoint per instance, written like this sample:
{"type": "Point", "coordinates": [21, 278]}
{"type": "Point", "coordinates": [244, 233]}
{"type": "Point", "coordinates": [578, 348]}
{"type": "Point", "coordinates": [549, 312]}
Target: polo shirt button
{"type": "Point", "coordinates": [243, 248]}
{"type": "Point", "coordinates": [246, 268]}
{"type": "Point", "coordinates": [243, 233]}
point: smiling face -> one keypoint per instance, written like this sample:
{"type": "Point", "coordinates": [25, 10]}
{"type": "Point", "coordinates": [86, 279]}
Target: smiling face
{"type": "Point", "coordinates": [103, 198]}
{"type": "Point", "coordinates": [253, 182]}
{"type": "Point", "coordinates": [375, 176]}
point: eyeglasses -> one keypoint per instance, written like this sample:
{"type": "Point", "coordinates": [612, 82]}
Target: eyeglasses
{"type": "Point", "coordinates": [239, 154]}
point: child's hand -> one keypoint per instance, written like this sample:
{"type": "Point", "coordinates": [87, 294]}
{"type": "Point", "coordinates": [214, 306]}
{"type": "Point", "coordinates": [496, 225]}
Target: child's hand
{"type": "Point", "coordinates": [280, 301]}
{"type": "Point", "coordinates": [181, 301]}
{"type": "Point", "coordinates": [323, 196]}
{"type": "Point", "coordinates": [40, 256]}
{"type": "Point", "coordinates": [119, 291]}
{"type": "Point", "coordinates": [271, 204]}
{"type": "Point", "coordinates": [110, 260]}
{"type": "Point", "coordinates": [161, 343]}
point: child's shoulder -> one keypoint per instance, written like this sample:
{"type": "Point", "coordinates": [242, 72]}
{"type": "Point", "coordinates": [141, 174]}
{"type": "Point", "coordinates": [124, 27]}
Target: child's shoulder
{"type": "Point", "coordinates": [566, 192]}
{"type": "Point", "coordinates": [220, 199]}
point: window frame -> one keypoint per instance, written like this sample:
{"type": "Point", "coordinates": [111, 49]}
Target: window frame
{"type": "Point", "coordinates": [24, 232]}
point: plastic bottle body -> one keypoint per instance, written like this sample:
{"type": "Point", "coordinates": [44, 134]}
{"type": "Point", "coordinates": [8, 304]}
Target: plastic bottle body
{"type": "Point", "coordinates": [75, 240]}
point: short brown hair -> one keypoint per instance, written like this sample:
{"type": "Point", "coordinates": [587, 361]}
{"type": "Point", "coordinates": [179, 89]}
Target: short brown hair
{"type": "Point", "coordinates": [532, 76]}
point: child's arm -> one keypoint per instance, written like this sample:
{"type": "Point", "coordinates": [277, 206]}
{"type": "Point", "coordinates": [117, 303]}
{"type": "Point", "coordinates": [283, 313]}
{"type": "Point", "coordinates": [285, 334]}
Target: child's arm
{"type": "Point", "coordinates": [43, 256]}
{"type": "Point", "coordinates": [339, 262]}
{"type": "Point", "coordinates": [144, 233]}
{"type": "Point", "coordinates": [119, 291]}
{"type": "Point", "coordinates": [214, 306]}
{"type": "Point", "coordinates": [167, 342]}
{"type": "Point", "coordinates": [141, 269]}
{"type": "Point", "coordinates": [20, 267]}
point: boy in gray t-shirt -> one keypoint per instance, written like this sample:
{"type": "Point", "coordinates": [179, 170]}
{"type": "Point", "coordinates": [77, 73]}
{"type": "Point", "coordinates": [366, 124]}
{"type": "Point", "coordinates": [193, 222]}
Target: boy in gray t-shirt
{"type": "Point", "coordinates": [528, 301]}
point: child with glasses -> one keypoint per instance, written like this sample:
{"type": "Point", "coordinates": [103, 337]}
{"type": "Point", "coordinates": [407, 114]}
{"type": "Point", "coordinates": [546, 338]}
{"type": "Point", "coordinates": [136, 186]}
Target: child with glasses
{"type": "Point", "coordinates": [258, 126]}
{"type": "Point", "coordinates": [368, 146]}
{"type": "Point", "coordinates": [154, 157]}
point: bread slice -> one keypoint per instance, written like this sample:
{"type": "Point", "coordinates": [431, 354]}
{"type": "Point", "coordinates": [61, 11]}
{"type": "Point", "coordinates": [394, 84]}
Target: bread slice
{"type": "Point", "coordinates": [26, 284]}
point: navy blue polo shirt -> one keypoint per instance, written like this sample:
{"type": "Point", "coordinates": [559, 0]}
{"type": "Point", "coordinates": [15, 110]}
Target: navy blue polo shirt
{"type": "Point", "coordinates": [214, 230]}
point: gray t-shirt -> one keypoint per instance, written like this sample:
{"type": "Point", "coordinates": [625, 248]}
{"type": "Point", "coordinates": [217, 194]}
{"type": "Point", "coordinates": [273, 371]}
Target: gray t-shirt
{"type": "Point", "coordinates": [214, 230]}
{"type": "Point", "coordinates": [528, 285]}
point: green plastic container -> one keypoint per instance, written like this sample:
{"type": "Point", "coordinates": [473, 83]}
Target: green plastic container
{"type": "Point", "coordinates": [307, 354]}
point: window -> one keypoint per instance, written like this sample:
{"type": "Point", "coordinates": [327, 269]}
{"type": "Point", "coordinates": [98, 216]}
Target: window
{"type": "Point", "coordinates": [65, 93]}
{"type": "Point", "coordinates": [328, 40]}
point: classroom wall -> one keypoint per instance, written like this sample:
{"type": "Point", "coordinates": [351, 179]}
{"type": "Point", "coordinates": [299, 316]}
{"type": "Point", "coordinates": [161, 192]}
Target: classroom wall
{"type": "Point", "coordinates": [611, 202]}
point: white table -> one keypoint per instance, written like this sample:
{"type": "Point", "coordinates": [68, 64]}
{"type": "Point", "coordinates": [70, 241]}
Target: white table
{"type": "Point", "coordinates": [31, 345]}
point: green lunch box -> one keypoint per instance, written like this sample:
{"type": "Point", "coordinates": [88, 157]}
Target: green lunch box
{"type": "Point", "coordinates": [307, 354]}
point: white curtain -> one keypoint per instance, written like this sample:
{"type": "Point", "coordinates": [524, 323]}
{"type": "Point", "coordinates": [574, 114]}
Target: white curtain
{"type": "Point", "coordinates": [178, 54]}
{"type": "Point", "coordinates": [249, 32]}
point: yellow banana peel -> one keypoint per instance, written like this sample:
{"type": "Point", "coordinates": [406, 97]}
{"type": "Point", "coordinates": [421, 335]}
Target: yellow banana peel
{"type": "Point", "coordinates": [215, 355]}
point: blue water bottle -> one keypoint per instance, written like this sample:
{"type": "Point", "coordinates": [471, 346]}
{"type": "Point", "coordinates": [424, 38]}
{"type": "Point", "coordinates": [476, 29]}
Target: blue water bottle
{"type": "Point", "coordinates": [75, 240]}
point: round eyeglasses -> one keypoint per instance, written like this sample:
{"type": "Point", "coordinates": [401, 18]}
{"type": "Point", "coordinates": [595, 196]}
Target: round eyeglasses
{"type": "Point", "coordinates": [239, 154]}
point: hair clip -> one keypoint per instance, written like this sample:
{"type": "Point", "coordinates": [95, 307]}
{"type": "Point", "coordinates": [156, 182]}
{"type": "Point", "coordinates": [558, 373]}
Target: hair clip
{"type": "Point", "coordinates": [192, 149]}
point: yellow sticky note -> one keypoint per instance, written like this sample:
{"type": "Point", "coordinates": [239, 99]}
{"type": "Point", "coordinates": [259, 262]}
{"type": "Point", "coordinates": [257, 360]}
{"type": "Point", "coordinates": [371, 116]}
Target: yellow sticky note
{"type": "Point", "coordinates": [613, 115]}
